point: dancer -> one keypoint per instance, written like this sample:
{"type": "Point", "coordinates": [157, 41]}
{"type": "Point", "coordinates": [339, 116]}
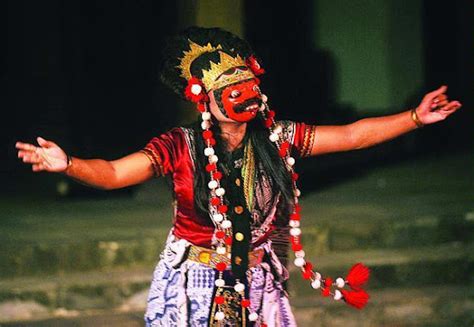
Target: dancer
{"type": "Point", "coordinates": [234, 186]}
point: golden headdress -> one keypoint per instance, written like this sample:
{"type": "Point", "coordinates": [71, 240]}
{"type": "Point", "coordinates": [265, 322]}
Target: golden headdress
{"type": "Point", "coordinates": [214, 77]}
{"type": "Point", "coordinates": [211, 58]}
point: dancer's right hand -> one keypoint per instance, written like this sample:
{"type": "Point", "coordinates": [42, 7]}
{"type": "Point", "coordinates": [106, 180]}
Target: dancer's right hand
{"type": "Point", "coordinates": [48, 156]}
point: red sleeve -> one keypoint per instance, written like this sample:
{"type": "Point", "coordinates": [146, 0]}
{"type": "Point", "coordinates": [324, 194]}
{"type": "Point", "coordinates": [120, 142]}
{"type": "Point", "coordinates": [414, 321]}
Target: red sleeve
{"type": "Point", "coordinates": [300, 135]}
{"type": "Point", "coordinates": [304, 138]}
{"type": "Point", "coordinates": [165, 150]}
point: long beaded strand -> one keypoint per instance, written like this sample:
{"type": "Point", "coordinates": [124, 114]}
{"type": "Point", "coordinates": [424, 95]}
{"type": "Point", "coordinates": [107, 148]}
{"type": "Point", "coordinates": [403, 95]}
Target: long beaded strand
{"type": "Point", "coordinates": [358, 274]}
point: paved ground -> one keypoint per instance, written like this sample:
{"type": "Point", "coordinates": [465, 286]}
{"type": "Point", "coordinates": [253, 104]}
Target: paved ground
{"type": "Point", "coordinates": [427, 188]}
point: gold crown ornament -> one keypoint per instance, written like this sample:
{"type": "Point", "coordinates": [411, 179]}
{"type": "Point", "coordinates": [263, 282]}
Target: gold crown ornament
{"type": "Point", "coordinates": [214, 77]}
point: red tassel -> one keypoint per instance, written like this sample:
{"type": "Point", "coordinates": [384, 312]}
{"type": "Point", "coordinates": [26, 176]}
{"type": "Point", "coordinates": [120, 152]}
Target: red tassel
{"type": "Point", "coordinates": [358, 276]}
{"type": "Point", "coordinates": [357, 299]}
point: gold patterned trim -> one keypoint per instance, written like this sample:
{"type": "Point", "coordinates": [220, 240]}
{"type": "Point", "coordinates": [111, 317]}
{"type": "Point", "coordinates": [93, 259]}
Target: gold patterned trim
{"type": "Point", "coordinates": [155, 161]}
{"type": "Point", "coordinates": [308, 141]}
{"type": "Point", "coordinates": [248, 174]}
{"type": "Point", "coordinates": [233, 311]}
{"type": "Point", "coordinates": [211, 258]}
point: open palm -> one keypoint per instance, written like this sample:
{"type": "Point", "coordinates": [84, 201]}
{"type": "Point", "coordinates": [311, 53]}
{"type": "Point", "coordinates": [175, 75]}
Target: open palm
{"type": "Point", "coordinates": [48, 156]}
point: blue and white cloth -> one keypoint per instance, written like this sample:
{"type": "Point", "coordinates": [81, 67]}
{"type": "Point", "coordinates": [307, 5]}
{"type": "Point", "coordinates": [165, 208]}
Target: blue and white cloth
{"type": "Point", "coordinates": [182, 291]}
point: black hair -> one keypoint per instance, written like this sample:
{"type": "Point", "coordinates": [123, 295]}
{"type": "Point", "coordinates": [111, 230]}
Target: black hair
{"type": "Point", "coordinates": [266, 156]}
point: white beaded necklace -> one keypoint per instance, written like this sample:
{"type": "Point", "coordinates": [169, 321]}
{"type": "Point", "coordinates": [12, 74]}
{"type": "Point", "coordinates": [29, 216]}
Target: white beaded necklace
{"type": "Point", "coordinates": [357, 276]}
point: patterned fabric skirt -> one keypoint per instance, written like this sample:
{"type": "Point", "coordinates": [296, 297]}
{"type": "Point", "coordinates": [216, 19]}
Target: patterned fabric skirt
{"type": "Point", "coordinates": [182, 291]}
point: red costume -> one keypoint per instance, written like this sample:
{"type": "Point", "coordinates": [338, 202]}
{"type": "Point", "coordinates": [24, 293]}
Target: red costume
{"type": "Point", "coordinates": [170, 154]}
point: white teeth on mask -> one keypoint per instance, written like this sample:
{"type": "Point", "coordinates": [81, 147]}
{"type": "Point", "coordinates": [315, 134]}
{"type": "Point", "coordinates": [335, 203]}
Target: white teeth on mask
{"type": "Point", "coordinates": [252, 107]}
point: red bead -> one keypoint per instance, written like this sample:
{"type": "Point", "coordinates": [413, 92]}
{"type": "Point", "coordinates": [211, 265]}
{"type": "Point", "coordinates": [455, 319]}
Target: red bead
{"type": "Point", "coordinates": [282, 153]}
{"type": "Point", "coordinates": [296, 247]}
{"type": "Point", "coordinates": [308, 266]}
{"type": "Point", "coordinates": [285, 145]}
{"type": "Point", "coordinates": [268, 122]}
{"type": "Point", "coordinates": [245, 303]}
{"type": "Point", "coordinates": [220, 234]}
{"type": "Point", "coordinates": [328, 282]}
{"type": "Point", "coordinates": [228, 240]}
{"type": "Point", "coordinates": [271, 114]}
{"type": "Point", "coordinates": [221, 266]}
{"type": "Point", "coordinates": [215, 201]}
{"type": "Point", "coordinates": [325, 291]}
{"type": "Point", "coordinates": [307, 274]}
{"type": "Point", "coordinates": [295, 177]}
{"type": "Point", "coordinates": [263, 325]}
{"type": "Point", "coordinates": [210, 167]}
{"type": "Point", "coordinates": [201, 107]}
{"type": "Point", "coordinates": [217, 175]}
{"type": "Point", "coordinates": [295, 216]}
{"type": "Point", "coordinates": [222, 208]}
{"type": "Point", "coordinates": [212, 141]}
{"type": "Point", "coordinates": [295, 239]}
{"type": "Point", "coordinates": [207, 134]}
{"type": "Point", "coordinates": [219, 300]}
{"type": "Point", "coordinates": [297, 208]}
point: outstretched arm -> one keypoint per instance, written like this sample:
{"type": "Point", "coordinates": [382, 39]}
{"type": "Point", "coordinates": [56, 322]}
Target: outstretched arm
{"type": "Point", "coordinates": [48, 156]}
{"type": "Point", "coordinates": [367, 132]}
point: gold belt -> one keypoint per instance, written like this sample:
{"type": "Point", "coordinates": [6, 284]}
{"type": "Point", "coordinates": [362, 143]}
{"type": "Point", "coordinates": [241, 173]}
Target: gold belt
{"type": "Point", "coordinates": [210, 257]}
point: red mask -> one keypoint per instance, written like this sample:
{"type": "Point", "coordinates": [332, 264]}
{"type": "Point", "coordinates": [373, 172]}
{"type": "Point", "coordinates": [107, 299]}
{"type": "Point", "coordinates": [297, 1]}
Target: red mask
{"type": "Point", "coordinates": [240, 102]}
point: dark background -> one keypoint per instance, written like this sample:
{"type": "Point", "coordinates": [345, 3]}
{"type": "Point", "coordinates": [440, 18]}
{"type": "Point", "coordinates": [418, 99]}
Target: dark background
{"type": "Point", "coordinates": [85, 74]}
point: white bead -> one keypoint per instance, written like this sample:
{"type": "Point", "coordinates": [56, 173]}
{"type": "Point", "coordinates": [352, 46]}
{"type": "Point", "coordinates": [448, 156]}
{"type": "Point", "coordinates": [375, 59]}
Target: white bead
{"type": "Point", "coordinates": [221, 250]}
{"type": "Point", "coordinates": [220, 191]}
{"type": "Point", "coordinates": [316, 284]}
{"type": "Point", "coordinates": [297, 193]}
{"type": "Point", "coordinates": [196, 89]}
{"type": "Point", "coordinates": [206, 115]}
{"type": "Point", "coordinates": [219, 282]}
{"type": "Point", "coordinates": [299, 262]}
{"type": "Point", "coordinates": [317, 275]}
{"type": "Point", "coordinates": [294, 223]}
{"type": "Point", "coordinates": [278, 129]}
{"type": "Point", "coordinates": [264, 98]}
{"type": "Point", "coordinates": [340, 282]}
{"type": "Point", "coordinates": [300, 254]}
{"type": "Point", "coordinates": [212, 184]}
{"type": "Point", "coordinates": [253, 316]}
{"type": "Point", "coordinates": [206, 124]}
{"type": "Point", "coordinates": [219, 315]}
{"type": "Point", "coordinates": [337, 295]}
{"type": "Point", "coordinates": [274, 137]}
{"type": "Point", "coordinates": [226, 224]}
{"type": "Point", "coordinates": [208, 152]}
{"type": "Point", "coordinates": [262, 107]}
{"type": "Point", "coordinates": [239, 287]}
{"type": "Point", "coordinates": [290, 161]}
{"type": "Point", "coordinates": [218, 217]}
{"type": "Point", "coordinates": [213, 159]}
{"type": "Point", "coordinates": [295, 231]}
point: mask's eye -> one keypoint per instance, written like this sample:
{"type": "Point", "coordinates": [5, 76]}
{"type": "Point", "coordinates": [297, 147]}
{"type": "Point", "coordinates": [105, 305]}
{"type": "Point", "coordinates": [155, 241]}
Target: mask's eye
{"type": "Point", "coordinates": [235, 94]}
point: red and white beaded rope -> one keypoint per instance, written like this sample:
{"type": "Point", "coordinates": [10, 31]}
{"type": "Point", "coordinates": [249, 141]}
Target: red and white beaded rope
{"type": "Point", "coordinates": [223, 232]}
{"type": "Point", "coordinates": [359, 273]}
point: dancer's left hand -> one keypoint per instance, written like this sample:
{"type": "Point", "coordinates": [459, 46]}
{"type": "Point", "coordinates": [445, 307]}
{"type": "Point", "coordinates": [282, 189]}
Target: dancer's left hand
{"type": "Point", "coordinates": [436, 107]}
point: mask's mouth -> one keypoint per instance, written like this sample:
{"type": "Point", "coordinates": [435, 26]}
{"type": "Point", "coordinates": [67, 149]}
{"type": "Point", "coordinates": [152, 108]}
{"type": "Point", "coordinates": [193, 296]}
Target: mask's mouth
{"type": "Point", "coordinates": [248, 106]}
